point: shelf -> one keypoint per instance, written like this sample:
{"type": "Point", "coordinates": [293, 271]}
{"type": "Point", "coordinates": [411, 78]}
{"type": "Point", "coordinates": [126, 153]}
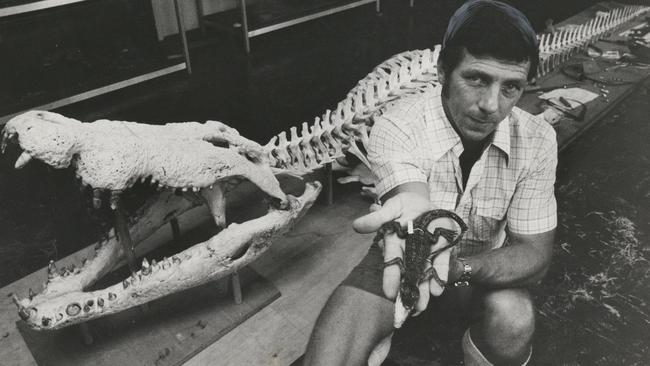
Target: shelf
{"type": "Point", "coordinates": [59, 52]}
{"type": "Point", "coordinates": [269, 15]}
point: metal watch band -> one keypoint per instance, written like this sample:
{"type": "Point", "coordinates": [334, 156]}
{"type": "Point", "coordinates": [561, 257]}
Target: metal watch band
{"type": "Point", "coordinates": [466, 276]}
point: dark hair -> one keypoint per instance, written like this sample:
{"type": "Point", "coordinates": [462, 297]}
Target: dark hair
{"type": "Point", "coordinates": [489, 28]}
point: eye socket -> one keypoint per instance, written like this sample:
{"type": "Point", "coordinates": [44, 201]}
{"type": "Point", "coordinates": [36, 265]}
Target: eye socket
{"type": "Point", "coordinates": [511, 89]}
{"type": "Point", "coordinates": [475, 80]}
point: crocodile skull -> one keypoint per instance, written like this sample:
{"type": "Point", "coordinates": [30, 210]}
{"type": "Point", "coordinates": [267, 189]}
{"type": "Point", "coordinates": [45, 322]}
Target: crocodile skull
{"type": "Point", "coordinates": [198, 159]}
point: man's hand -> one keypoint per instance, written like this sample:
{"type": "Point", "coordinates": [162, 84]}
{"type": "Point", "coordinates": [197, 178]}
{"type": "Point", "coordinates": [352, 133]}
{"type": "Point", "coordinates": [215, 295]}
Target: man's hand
{"type": "Point", "coordinates": [404, 207]}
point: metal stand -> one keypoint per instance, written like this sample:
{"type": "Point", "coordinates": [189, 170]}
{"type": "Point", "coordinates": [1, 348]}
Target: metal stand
{"type": "Point", "coordinates": [244, 22]}
{"type": "Point", "coordinates": [176, 230]}
{"type": "Point", "coordinates": [124, 238]}
{"type": "Point", "coordinates": [236, 288]}
{"type": "Point", "coordinates": [329, 184]}
{"type": "Point", "coordinates": [181, 33]}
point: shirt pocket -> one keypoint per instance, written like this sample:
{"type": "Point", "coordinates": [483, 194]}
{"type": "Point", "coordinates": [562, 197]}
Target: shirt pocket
{"type": "Point", "coordinates": [492, 204]}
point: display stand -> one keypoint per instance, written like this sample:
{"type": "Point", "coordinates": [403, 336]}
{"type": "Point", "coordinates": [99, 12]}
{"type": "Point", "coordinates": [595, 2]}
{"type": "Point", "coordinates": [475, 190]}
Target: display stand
{"type": "Point", "coordinates": [170, 332]}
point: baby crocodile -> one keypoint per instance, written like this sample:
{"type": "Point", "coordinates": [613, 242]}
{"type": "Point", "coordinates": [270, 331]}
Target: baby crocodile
{"type": "Point", "coordinates": [417, 255]}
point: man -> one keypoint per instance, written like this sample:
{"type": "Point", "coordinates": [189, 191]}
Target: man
{"type": "Point", "coordinates": [463, 147]}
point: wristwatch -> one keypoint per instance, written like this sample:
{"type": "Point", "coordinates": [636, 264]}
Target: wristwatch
{"type": "Point", "coordinates": [466, 276]}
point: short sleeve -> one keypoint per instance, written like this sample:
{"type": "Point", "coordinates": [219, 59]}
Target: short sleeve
{"type": "Point", "coordinates": [392, 154]}
{"type": "Point", "coordinates": [533, 209]}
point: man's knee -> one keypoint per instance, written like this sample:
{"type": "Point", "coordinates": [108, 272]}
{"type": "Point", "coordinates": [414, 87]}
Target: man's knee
{"type": "Point", "coordinates": [352, 322]}
{"type": "Point", "coordinates": [347, 305]}
{"type": "Point", "coordinates": [511, 311]}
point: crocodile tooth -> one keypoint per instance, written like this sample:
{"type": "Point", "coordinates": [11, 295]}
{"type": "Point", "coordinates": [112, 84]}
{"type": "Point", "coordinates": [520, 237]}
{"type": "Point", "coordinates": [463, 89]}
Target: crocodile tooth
{"type": "Point", "coordinates": [115, 199]}
{"type": "Point", "coordinates": [73, 309]}
{"type": "Point", "coordinates": [24, 313]}
{"type": "Point", "coordinates": [59, 316]}
{"type": "Point", "coordinates": [112, 296]}
{"type": "Point", "coordinates": [145, 263]}
{"type": "Point", "coordinates": [100, 302]}
{"type": "Point", "coordinates": [31, 294]}
{"type": "Point", "coordinates": [51, 270]}
{"type": "Point", "coordinates": [22, 160]}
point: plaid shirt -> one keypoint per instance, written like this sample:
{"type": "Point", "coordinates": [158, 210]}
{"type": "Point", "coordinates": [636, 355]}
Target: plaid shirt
{"type": "Point", "coordinates": [511, 183]}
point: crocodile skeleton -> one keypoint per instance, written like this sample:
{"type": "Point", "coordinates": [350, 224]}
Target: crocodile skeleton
{"type": "Point", "coordinates": [191, 164]}
{"type": "Point", "coordinates": [210, 163]}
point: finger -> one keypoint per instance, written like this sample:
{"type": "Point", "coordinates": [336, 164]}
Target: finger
{"type": "Point", "coordinates": [441, 265]}
{"type": "Point", "coordinates": [374, 207]}
{"type": "Point", "coordinates": [424, 298]}
{"type": "Point", "coordinates": [373, 221]}
{"type": "Point", "coordinates": [392, 249]}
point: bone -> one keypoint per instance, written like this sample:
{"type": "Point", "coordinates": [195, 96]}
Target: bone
{"type": "Point", "coordinates": [320, 149]}
{"type": "Point", "coordinates": [558, 47]}
{"type": "Point", "coordinates": [23, 160]}
{"type": "Point", "coordinates": [115, 199]}
{"type": "Point", "coordinates": [187, 269]}
{"type": "Point", "coordinates": [298, 160]}
{"type": "Point", "coordinates": [51, 270]}
{"type": "Point", "coordinates": [215, 199]}
{"type": "Point", "coordinates": [112, 155]}
{"type": "Point", "coordinates": [306, 148]}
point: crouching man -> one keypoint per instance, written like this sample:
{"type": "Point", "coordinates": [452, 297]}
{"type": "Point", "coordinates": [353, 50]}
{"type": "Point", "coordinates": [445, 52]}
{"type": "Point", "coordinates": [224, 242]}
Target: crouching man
{"type": "Point", "coordinates": [466, 148]}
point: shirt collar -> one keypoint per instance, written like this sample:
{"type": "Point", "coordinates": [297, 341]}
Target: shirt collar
{"type": "Point", "coordinates": [501, 138]}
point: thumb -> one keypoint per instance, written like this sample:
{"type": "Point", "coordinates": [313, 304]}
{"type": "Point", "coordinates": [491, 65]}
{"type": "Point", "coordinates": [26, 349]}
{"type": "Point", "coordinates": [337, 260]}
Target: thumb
{"type": "Point", "coordinates": [371, 222]}
{"type": "Point", "coordinates": [441, 266]}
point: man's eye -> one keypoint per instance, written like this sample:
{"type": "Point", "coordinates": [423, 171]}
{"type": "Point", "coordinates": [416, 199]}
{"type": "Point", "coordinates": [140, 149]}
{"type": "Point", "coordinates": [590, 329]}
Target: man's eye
{"type": "Point", "coordinates": [475, 80]}
{"type": "Point", "coordinates": [511, 89]}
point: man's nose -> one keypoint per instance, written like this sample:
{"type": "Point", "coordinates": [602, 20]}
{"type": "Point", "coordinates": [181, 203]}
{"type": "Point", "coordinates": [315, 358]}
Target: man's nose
{"type": "Point", "coordinates": [489, 101]}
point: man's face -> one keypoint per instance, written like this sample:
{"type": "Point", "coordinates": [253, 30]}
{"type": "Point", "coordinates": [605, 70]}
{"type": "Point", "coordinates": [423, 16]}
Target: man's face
{"type": "Point", "coordinates": [480, 92]}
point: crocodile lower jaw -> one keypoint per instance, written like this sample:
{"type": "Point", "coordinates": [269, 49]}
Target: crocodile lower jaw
{"type": "Point", "coordinates": [63, 302]}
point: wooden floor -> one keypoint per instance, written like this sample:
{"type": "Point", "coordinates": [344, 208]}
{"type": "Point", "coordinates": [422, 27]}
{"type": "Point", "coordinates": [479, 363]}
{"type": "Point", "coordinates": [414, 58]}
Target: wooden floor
{"type": "Point", "coordinates": [305, 266]}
